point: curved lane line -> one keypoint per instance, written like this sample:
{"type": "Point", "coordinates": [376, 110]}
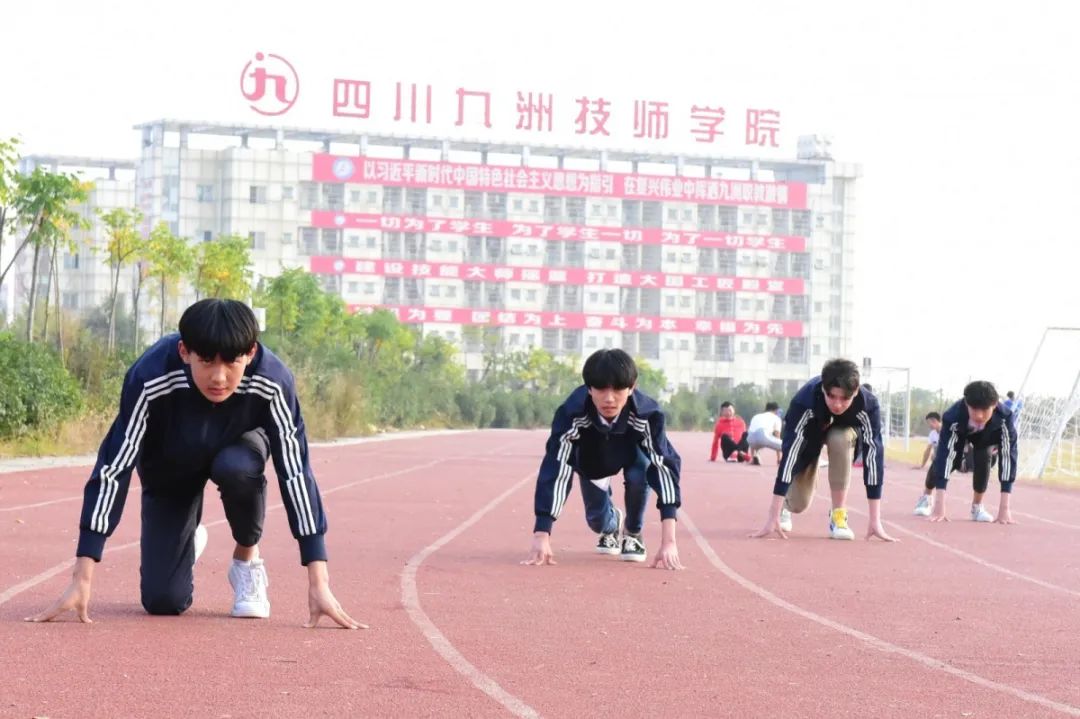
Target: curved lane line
{"type": "Point", "coordinates": [874, 642]}
{"type": "Point", "coordinates": [410, 599]}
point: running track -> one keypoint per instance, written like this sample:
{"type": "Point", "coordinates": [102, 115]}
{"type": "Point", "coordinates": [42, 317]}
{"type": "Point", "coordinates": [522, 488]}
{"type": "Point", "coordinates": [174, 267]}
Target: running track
{"type": "Point", "coordinates": [957, 620]}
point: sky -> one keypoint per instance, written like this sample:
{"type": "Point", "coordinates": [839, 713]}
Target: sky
{"type": "Point", "coordinates": [960, 115]}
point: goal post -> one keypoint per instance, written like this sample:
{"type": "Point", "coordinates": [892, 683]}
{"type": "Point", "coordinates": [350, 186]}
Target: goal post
{"type": "Point", "coordinates": [1048, 409]}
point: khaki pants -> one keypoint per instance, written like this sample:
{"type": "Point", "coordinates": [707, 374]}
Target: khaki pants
{"type": "Point", "coordinates": [840, 443]}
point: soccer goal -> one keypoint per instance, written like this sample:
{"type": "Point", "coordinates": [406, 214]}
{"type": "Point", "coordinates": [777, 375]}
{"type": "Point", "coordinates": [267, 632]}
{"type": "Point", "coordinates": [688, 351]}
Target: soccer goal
{"type": "Point", "coordinates": [1048, 409]}
{"type": "Point", "coordinates": [892, 387]}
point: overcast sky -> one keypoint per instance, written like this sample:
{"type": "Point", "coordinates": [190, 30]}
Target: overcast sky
{"type": "Point", "coordinates": [961, 115]}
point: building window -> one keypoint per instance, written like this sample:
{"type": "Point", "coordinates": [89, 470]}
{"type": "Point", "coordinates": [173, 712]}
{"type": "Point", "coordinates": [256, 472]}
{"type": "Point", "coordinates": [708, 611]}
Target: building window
{"type": "Point", "coordinates": [204, 193]}
{"type": "Point", "coordinates": [257, 194]}
{"type": "Point", "coordinates": [354, 197]}
{"type": "Point", "coordinates": [258, 240]}
{"type": "Point", "coordinates": [436, 200]}
{"type": "Point", "coordinates": [70, 300]}
{"type": "Point", "coordinates": [684, 345]}
{"type": "Point", "coordinates": [207, 235]}
{"type": "Point", "coordinates": [530, 295]}
{"type": "Point", "coordinates": [371, 242]}
{"type": "Point", "coordinates": [454, 201]}
{"type": "Point", "coordinates": [534, 205]}
{"type": "Point", "coordinates": [71, 262]}
{"type": "Point", "coordinates": [287, 192]}
{"type": "Point", "coordinates": [309, 195]}
{"type": "Point", "coordinates": [434, 291]}
{"type": "Point", "coordinates": [354, 241]}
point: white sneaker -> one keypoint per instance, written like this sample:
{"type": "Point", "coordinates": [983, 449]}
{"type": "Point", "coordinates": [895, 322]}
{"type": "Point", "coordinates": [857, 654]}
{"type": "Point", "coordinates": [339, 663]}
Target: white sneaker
{"type": "Point", "coordinates": [838, 528]}
{"type": "Point", "coordinates": [785, 519]}
{"type": "Point", "coordinates": [201, 538]}
{"type": "Point", "coordinates": [978, 514]}
{"type": "Point", "coordinates": [924, 506]}
{"type": "Point", "coordinates": [249, 582]}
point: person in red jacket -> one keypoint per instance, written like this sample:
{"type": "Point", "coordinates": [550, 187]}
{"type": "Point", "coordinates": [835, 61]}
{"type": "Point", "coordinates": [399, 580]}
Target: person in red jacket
{"type": "Point", "coordinates": [730, 435]}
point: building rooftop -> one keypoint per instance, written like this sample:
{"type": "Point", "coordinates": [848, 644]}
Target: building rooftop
{"type": "Point", "coordinates": [802, 167]}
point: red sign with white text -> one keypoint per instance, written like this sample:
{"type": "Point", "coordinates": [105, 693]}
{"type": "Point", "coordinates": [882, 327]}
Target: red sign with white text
{"type": "Point", "coordinates": [548, 181]}
{"type": "Point", "coordinates": [547, 231]}
{"type": "Point", "coordinates": [580, 321]}
{"type": "Point", "coordinates": [553, 276]}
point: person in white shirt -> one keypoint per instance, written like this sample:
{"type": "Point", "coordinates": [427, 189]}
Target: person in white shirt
{"type": "Point", "coordinates": [765, 431]}
{"type": "Point", "coordinates": [925, 505]}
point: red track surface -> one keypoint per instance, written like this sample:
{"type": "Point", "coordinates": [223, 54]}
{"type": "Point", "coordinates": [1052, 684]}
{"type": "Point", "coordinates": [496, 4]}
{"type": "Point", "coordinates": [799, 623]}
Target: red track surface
{"type": "Point", "coordinates": [957, 620]}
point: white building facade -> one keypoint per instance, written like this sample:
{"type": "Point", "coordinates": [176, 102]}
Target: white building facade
{"type": "Point", "coordinates": [717, 270]}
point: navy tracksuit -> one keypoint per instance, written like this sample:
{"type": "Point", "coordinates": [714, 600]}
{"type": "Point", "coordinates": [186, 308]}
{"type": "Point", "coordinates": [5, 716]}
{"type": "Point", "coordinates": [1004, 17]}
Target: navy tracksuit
{"type": "Point", "coordinates": [178, 440]}
{"type": "Point", "coordinates": [583, 442]}
{"type": "Point", "coordinates": [957, 433]}
{"type": "Point", "coordinates": [808, 421]}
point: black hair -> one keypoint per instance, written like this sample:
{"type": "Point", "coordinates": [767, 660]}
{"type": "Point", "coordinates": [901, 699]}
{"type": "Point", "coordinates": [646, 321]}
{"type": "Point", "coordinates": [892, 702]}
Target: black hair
{"type": "Point", "coordinates": [1010, 394]}
{"type": "Point", "coordinates": [609, 368]}
{"type": "Point", "coordinates": [933, 415]}
{"type": "Point", "coordinates": [980, 394]}
{"type": "Point", "coordinates": [726, 404]}
{"type": "Point", "coordinates": [213, 327]}
{"type": "Point", "coordinates": [771, 406]}
{"type": "Point", "coordinates": [842, 374]}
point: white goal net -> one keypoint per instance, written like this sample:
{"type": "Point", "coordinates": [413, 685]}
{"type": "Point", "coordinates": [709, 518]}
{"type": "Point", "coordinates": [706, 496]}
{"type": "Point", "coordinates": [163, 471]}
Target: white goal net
{"type": "Point", "coordinates": [1048, 419]}
{"type": "Point", "coordinates": [892, 387]}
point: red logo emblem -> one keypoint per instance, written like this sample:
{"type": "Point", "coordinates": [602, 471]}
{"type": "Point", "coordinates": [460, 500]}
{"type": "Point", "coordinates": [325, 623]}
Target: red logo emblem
{"type": "Point", "coordinates": [270, 84]}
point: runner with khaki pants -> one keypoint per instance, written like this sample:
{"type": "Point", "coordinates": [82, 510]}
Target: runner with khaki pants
{"type": "Point", "coordinates": [840, 445]}
{"type": "Point", "coordinates": [831, 412]}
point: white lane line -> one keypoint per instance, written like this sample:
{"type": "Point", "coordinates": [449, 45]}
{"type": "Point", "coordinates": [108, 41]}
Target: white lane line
{"type": "Point", "coordinates": [970, 557]}
{"type": "Point", "coordinates": [12, 592]}
{"type": "Point", "coordinates": [411, 601]}
{"type": "Point", "coordinates": [874, 642]}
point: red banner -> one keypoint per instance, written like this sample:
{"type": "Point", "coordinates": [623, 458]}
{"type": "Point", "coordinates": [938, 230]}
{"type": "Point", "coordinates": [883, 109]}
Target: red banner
{"type": "Point", "coordinates": [543, 231]}
{"type": "Point", "coordinates": [578, 321]}
{"type": "Point", "coordinates": [549, 181]}
{"type": "Point", "coordinates": [553, 276]}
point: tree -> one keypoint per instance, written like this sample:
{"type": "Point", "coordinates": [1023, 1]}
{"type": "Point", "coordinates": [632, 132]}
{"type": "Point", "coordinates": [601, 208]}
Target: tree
{"type": "Point", "coordinates": [123, 245]}
{"type": "Point", "coordinates": [651, 381]}
{"type": "Point", "coordinates": [223, 268]}
{"type": "Point", "coordinates": [9, 155]}
{"type": "Point", "coordinates": [169, 258]}
{"type": "Point", "coordinates": [49, 199]}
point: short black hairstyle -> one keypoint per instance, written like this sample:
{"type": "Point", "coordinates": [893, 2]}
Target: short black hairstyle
{"type": "Point", "coordinates": [771, 406]}
{"type": "Point", "coordinates": [725, 403]}
{"type": "Point", "coordinates": [1010, 394]}
{"type": "Point", "coordinates": [842, 374]}
{"type": "Point", "coordinates": [609, 368]}
{"type": "Point", "coordinates": [933, 415]}
{"type": "Point", "coordinates": [213, 327]}
{"type": "Point", "coordinates": [980, 394]}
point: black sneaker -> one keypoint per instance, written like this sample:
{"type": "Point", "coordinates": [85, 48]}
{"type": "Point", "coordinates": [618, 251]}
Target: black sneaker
{"type": "Point", "coordinates": [609, 541]}
{"type": "Point", "coordinates": [755, 461]}
{"type": "Point", "coordinates": [633, 549]}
